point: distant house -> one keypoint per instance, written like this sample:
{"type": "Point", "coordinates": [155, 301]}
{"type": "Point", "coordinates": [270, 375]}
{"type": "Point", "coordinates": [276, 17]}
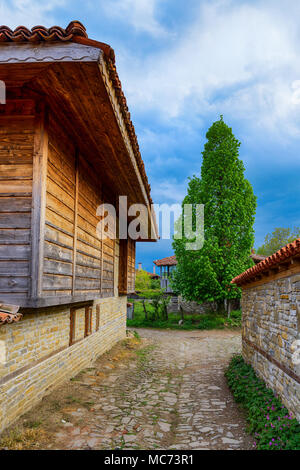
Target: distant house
{"type": "Point", "coordinates": [168, 265]}
{"type": "Point", "coordinates": [67, 145]}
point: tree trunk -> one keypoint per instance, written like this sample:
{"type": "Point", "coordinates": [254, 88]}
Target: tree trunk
{"type": "Point", "coordinates": [182, 313]}
{"type": "Point", "coordinates": [228, 308]}
{"type": "Point", "coordinates": [145, 310]}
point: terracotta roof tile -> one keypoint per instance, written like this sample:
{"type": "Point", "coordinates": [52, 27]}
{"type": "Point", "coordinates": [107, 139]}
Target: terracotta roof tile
{"type": "Point", "coordinates": [169, 261]}
{"type": "Point", "coordinates": [76, 32]}
{"type": "Point", "coordinates": [9, 317]}
{"type": "Point", "coordinates": [285, 253]}
{"type": "Point", "coordinates": [40, 33]}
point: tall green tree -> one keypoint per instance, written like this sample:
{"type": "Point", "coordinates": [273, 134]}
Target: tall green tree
{"type": "Point", "coordinates": [229, 210]}
{"type": "Point", "coordinates": [277, 239]}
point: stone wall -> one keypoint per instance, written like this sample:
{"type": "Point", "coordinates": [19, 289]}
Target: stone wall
{"type": "Point", "coordinates": [194, 307]}
{"type": "Point", "coordinates": [271, 325]}
{"type": "Point", "coordinates": [35, 356]}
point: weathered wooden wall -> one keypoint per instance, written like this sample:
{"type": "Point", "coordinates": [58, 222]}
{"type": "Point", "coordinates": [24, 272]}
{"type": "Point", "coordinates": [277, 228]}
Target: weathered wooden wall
{"type": "Point", "coordinates": [76, 261]}
{"type": "Point", "coordinates": [16, 150]}
{"type": "Point", "coordinates": [49, 195]}
{"type": "Point", "coordinates": [127, 267]}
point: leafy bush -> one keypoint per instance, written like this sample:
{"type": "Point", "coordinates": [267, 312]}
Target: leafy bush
{"type": "Point", "coordinates": [155, 284]}
{"type": "Point", "coordinates": [149, 293]}
{"type": "Point", "coordinates": [268, 420]}
{"type": "Point", "coordinates": [142, 280]}
{"type": "Point", "coordinates": [157, 318]}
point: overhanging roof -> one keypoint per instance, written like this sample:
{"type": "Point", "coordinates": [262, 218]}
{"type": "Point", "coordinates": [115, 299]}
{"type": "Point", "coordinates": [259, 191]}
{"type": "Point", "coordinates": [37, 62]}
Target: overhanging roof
{"type": "Point", "coordinates": [79, 79]}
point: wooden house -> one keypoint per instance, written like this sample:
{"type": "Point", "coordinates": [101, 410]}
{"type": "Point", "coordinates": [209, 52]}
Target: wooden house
{"type": "Point", "coordinates": [166, 268]}
{"type": "Point", "coordinates": [67, 145]}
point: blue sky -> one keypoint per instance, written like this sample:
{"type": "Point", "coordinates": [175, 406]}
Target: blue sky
{"type": "Point", "coordinates": [183, 63]}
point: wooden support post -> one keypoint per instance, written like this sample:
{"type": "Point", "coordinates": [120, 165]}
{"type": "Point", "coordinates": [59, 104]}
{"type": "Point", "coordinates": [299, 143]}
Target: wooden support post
{"type": "Point", "coordinates": [123, 267]}
{"type": "Point", "coordinates": [39, 189]}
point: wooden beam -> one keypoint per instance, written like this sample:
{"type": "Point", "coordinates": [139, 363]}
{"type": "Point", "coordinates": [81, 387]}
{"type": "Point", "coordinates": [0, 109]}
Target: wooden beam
{"type": "Point", "coordinates": [16, 53]}
{"type": "Point", "coordinates": [39, 185]}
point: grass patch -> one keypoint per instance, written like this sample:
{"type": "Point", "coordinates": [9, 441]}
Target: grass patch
{"type": "Point", "coordinates": [19, 440]}
{"type": "Point", "coordinates": [210, 321]}
{"type": "Point", "coordinates": [268, 420]}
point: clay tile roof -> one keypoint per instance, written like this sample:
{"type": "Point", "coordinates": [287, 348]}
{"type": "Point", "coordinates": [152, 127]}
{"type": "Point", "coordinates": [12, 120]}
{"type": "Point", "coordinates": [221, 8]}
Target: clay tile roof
{"type": "Point", "coordinates": [285, 253]}
{"type": "Point", "coordinates": [9, 317]}
{"type": "Point", "coordinates": [169, 261]}
{"type": "Point", "coordinates": [40, 33]}
{"type": "Point", "coordinates": [76, 32]}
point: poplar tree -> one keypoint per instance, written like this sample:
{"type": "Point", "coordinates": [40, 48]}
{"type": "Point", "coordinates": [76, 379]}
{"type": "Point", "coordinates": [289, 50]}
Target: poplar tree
{"type": "Point", "coordinates": [229, 210]}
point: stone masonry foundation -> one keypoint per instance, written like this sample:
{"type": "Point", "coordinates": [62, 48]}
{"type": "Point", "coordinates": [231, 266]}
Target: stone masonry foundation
{"type": "Point", "coordinates": [271, 327]}
{"type": "Point", "coordinates": [36, 355]}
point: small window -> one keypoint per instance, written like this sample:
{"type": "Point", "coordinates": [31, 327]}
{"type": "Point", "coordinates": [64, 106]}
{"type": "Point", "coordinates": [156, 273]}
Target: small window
{"type": "Point", "coordinates": [97, 317]}
{"type": "Point", "coordinates": [72, 325]}
{"type": "Point", "coordinates": [88, 321]}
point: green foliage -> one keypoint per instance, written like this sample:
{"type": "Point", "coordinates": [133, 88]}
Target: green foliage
{"type": "Point", "coordinates": [277, 239]}
{"type": "Point", "coordinates": [145, 286]}
{"type": "Point", "coordinates": [155, 284]}
{"type": "Point", "coordinates": [150, 293]}
{"type": "Point", "coordinates": [268, 420]}
{"type": "Point", "coordinates": [142, 280]}
{"type": "Point", "coordinates": [191, 322]}
{"type": "Point", "coordinates": [230, 205]}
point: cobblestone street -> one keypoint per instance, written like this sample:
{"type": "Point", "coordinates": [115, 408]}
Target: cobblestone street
{"type": "Point", "coordinates": [170, 394]}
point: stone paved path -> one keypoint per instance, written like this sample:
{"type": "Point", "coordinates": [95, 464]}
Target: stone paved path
{"type": "Point", "coordinates": [174, 396]}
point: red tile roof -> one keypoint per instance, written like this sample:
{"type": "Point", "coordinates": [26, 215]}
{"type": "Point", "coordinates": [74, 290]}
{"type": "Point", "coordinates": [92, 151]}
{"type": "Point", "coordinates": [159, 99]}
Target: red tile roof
{"type": "Point", "coordinates": [9, 317]}
{"type": "Point", "coordinates": [76, 32]}
{"type": "Point", "coordinates": [289, 251]}
{"type": "Point", "coordinates": [40, 33]}
{"type": "Point", "coordinates": [169, 261]}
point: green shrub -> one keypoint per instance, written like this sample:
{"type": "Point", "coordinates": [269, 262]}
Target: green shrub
{"type": "Point", "coordinates": [150, 293]}
{"type": "Point", "coordinates": [268, 420]}
{"type": "Point", "coordinates": [157, 318]}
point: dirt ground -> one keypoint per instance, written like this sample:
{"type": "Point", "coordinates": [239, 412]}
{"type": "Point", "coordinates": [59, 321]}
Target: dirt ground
{"type": "Point", "coordinates": [164, 391]}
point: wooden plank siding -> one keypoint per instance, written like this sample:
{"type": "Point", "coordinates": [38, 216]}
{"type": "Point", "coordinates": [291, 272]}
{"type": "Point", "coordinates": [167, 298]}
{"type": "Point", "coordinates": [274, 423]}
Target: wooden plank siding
{"type": "Point", "coordinates": [77, 263]}
{"type": "Point", "coordinates": [50, 252]}
{"type": "Point", "coordinates": [59, 218]}
{"type": "Point", "coordinates": [131, 266]}
{"type": "Point", "coordinates": [127, 267]}
{"type": "Point", "coordinates": [16, 150]}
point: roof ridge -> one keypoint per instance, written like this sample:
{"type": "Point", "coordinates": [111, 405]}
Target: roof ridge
{"type": "Point", "coordinates": [41, 33]}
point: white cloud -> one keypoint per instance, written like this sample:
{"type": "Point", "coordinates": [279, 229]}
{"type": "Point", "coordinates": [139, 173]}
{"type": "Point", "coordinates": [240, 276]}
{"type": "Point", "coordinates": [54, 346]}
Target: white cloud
{"type": "Point", "coordinates": [28, 12]}
{"type": "Point", "coordinates": [239, 58]}
{"type": "Point", "coordinates": [140, 14]}
{"type": "Point", "coordinates": [169, 191]}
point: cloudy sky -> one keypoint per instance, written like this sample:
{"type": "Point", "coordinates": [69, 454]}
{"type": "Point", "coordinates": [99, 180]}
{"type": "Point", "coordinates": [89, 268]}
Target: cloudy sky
{"type": "Point", "coordinates": [183, 63]}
